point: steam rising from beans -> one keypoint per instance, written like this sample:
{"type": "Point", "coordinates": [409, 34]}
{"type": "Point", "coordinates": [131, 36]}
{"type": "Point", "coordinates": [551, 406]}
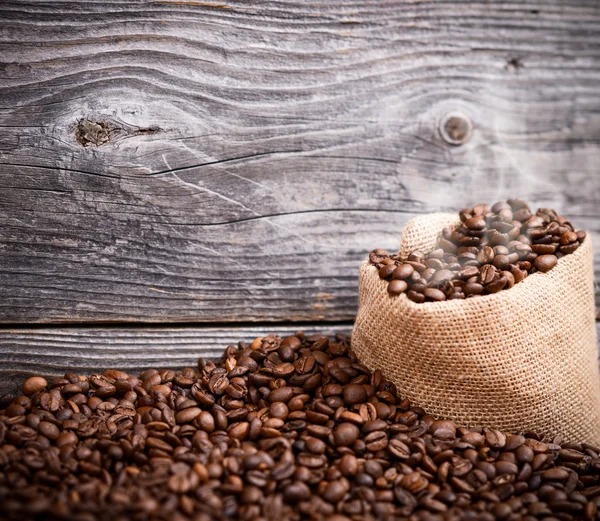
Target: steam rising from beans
{"type": "Point", "coordinates": [285, 429]}
{"type": "Point", "coordinates": [492, 249]}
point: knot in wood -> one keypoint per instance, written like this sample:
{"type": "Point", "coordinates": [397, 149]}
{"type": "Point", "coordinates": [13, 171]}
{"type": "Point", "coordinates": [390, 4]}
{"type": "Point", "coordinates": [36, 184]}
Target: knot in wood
{"type": "Point", "coordinates": [456, 128]}
{"type": "Point", "coordinates": [93, 133]}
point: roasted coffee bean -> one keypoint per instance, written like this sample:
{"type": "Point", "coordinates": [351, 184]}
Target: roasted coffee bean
{"type": "Point", "coordinates": [442, 275]}
{"type": "Point", "coordinates": [415, 296]}
{"type": "Point", "coordinates": [378, 255]}
{"type": "Point", "coordinates": [545, 263]}
{"type": "Point", "coordinates": [542, 249]}
{"type": "Point", "coordinates": [473, 288]}
{"type": "Point", "coordinates": [477, 222]}
{"type": "Point", "coordinates": [34, 385]}
{"type": "Point", "coordinates": [188, 415]}
{"type": "Point", "coordinates": [555, 474]}
{"type": "Point", "coordinates": [296, 492]}
{"type": "Point", "coordinates": [433, 294]}
{"type": "Point", "coordinates": [501, 262]}
{"type": "Point", "coordinates": [568, 238]}
{"type": "Point", "coordinates": [303, 430]}
{"type": "Point", "coordinates": [403, 271]}
{"type": "Point", "coordinates": [496, 285]}
{"type": "Point", "coordinates": [395, 287]}
{"type": "Point", "coordinates": [468, 272]}
{"type": "Point", "coordinates": [386, 271]}
{"type": "Point", "coordinates": [283, 394]}
{"type": "Point", "coordinates": [398, 449]}
{"type": "Point", "coordinates": [348, 465]}
{"type": "Point", "coordinates": [443, 429]}
{"type": "Point", "coordinates": [354, 393]}
{"type": "Point", "coordinates": [494, 250]}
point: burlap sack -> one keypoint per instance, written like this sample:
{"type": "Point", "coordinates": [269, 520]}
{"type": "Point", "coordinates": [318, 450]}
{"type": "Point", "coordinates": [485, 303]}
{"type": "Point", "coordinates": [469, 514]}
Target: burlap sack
{"type": "Point", "coordinates": [523, 359]}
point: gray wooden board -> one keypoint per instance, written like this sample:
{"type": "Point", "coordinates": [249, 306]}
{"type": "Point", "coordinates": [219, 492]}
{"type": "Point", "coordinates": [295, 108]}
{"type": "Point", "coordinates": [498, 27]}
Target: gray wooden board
{"type": "Point", "coordinates": [196, 161]}
{"type": "Point", "coordinates": [54, 351]}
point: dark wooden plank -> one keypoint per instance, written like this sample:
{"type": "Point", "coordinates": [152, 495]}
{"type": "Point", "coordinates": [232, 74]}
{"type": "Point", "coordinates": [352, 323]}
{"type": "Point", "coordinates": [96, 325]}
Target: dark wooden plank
{"type": "Point", "coordinates": [189, 161]}
{"type": "Point", "coordinates": [53, 351]}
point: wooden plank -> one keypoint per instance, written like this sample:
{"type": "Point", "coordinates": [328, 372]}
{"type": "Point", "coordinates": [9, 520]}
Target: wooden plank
{"type": "Point", "coordinates": [187, 161]}
{"type": "Point", "coordinates": [54, 351]}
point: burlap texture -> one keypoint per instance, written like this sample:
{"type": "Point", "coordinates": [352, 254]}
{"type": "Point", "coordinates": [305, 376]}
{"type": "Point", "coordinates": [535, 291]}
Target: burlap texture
{"type": "Point", "coordinates": [523, 359]}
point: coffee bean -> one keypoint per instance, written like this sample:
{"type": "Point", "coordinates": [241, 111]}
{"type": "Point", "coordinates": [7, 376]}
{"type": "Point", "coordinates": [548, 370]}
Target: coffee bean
{"type": "Point", "coordinates": [292, 341]}
{"type": "Point", "coordinates": [514, 442]}
{"type": "Point", "coordinates": [545, 263]}
{"type": "Point", "coordinates": [34, 385]}
{"type": "Point", "coordinates": [376, 441]}
{"type": "Point", "coordinates": [434, 294]}
{"type": "Point", "coordinates": [509, 278]}
{"type": "Point", "coordinates": [354, 394]}
{"type": "Point", "coordinates": [49, 430]}
{"type": "Point", "coordinates": [345, 434]}
{"type": "Point", "coordinates": [524, 454]}
{"type": "Point", "coordinates": [443, 274]}
{"type": "Point", "coordinates": [332, 389]}
{"type": "Point", "coordinates": [501, 262]}
{"type": "Point", "coordinates": [477, 222]}
{"type": "Point", "coordinates": [568, 238]}
{"type": "Point", "coordinates": [496, 285]}
{"type": "Point", "coordinates": [240, 430]}
{"type": "Point", "coordinates": [403, 272]}
{"type": "Point", "coordinates": [555, 474]}
{"type": "Point", "coordinates": [218, 383]}
{"type": "Point", "coordinates": [305, 364]}
{"type": "Point", "coordinates": [348, 465]}
{"type": "Point", "coordinates": [283, 394]}
{"type": "Point", "coordinates": [296, 492]}
{"type": "Point", "coordinates": [386, 271]}
{"type": "Point", "coordinates": [443, 429]}
{"type": "Point", "coordinates": [506, 467]}
{"type": "Point", "coordinates": [378, 255]}
{"type": "Point", "coordinates": [395, 287]}
{"type": "Point", "coordinates": [495, 438]}
{"type": "Point", "coordinates": [468, 272]}
{"type": "Point", "coordinates": [415, 296]}
{"type": "Point", "coordinates": [398, 449]}
{"type": "Point", "coordinates": [284, 370]}
{"type": "Point", "coordinates": [66, 438]}
{"type": "Point", "coordinates": [473, 288]}
{"type": "Point", "coordinates": [568, 249]}
{"type": "Point", "coordinates": [179, 484]}
{"type": "Point", "coordinates": [188, 415]}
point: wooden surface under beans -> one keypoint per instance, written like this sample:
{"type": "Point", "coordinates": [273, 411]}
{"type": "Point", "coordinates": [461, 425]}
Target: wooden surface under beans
{"type": "Point", "coordinates": [51, 352]}
{"type": "Point", "coordinates": [225, 162]}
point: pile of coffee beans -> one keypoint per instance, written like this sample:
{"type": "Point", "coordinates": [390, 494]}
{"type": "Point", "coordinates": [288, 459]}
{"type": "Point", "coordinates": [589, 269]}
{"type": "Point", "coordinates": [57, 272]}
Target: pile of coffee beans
{"type": "Point", "coordinates": [280, 429]}
{"type": "Point", "coordinates": [492, 249]}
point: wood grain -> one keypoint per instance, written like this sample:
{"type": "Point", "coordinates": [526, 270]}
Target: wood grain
{"type": "Point", "coordinates": [193, 161]}
{"type": "Point", "coordinates": [53, 351]}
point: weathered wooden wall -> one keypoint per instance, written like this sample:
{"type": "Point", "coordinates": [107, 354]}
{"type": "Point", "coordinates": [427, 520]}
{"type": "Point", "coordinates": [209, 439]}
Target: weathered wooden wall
{"type": "Point", "coordinates": [187, 161]}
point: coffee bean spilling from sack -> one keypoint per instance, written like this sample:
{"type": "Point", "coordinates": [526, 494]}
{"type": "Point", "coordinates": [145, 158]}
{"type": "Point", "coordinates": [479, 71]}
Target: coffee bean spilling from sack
{"type": "Point", "coordinates": [492, 249]}
{"type": "Point", "coordinates": [278, 430]}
